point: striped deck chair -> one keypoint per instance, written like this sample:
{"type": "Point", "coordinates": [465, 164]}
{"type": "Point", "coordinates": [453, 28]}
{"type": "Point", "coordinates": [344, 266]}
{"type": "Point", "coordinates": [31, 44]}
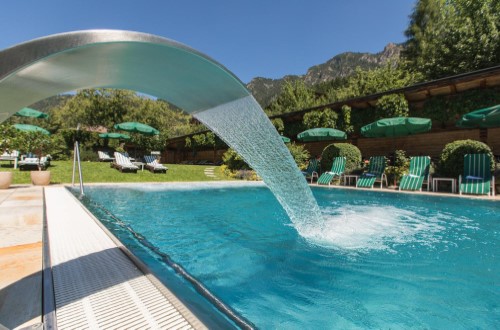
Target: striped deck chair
{"type": "Point", "coordinates": [104, 157]}
{"type": "Point", "coordinates": [477, 177]}
{"type": "Point", "coordinates": [153, 166]}
{"type": "Point", "coordinates": [338, 168]}
{"type": "Point", "coordinates": [418, 173]}
{"type": "Point", "coordinates": [376, 171]}
{"type": "Point", "coordinates": [312, 169]}
{"type": "Point", "coordinates": [123, 164]}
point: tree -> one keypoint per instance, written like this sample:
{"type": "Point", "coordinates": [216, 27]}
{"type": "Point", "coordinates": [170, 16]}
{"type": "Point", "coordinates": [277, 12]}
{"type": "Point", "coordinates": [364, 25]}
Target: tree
{"type": "Point", "coordinates": [373, 81]}
{"type": "Point", "coordinates": [392, 105]}
{"type": "Point", "coordinates": [323, 118]}
{"type": "Point", "coordinates": [294, 96]}
{"type": "Point", "coordinates": [447, 37]}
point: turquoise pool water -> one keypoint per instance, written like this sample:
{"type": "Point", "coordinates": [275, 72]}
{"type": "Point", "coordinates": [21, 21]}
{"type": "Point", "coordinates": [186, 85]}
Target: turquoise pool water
{"type": "Point", "coordinates": [382, 260]}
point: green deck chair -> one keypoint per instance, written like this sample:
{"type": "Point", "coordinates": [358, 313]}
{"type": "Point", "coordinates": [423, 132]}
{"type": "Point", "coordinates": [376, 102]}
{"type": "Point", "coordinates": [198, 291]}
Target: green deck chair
{"type": "Point", "coordinates": [375, 172]}
{"type": "Point", "coordinates": [338, 168]}
{"type": "Point", "coordinates": [418, 173]}
{"type": "Point", "coordinates": [312, 169]}
{"type": "Point", "coordinates": [477, 177]}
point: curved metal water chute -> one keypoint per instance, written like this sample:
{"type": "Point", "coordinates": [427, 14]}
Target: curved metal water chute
{"type": "Point", "coordinates": [35, 70]}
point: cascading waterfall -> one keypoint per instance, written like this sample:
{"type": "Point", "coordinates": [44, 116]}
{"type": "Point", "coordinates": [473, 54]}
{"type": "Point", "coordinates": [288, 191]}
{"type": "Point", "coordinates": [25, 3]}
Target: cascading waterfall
{"type": "Point", "coordinates": [244, 127]}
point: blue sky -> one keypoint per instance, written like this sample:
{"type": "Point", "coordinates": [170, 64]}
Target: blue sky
{"type": "Point", "coordinates": [258, 38]}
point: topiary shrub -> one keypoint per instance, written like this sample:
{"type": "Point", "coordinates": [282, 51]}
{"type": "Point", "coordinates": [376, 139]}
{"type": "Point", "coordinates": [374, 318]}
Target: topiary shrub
{"type": "Point", "coordinates": [347, 150]}
{"type": "Point", "coordinates": [451, 162]}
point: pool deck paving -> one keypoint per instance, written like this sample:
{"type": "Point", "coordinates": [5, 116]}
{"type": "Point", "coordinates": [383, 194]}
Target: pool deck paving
{"type": "Point", "coordinates": [93, 277]}
{"type": "Point", "coordinates": [96, 285]}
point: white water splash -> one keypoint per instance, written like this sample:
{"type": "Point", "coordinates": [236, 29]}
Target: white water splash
{"type": "Point", "coordinates": [245, 127]}
{"type": "Point", "coordinates": [364, 228]}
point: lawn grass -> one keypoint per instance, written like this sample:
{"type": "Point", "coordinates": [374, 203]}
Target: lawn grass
{"type": "Point", "coordinates": [96, 172]}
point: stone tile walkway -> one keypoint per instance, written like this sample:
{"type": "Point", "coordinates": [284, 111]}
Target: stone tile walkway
{"type": "Point", "coordinates": [21, 232]}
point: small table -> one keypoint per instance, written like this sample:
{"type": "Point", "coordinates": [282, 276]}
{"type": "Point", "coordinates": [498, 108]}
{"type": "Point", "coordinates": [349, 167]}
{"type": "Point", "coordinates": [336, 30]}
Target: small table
{"type": "Point", "coordinates": [139, 164]}
{"type": "Point", "coordinates": [453, 181]}
{"type": "Point", "coordinates": [347, 179]}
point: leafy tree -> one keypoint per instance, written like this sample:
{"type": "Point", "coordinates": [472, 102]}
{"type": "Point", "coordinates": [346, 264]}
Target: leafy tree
{"type": "Point", "coordinates": [392, 105]}
{"type": "Point", "coordinates": [294, 96]}
{"type": "Point", "coordinates": [372, 81]}
{"type": "Point", "coordinates": [323, 118]}
{"type": "Point", "coordinates": [345, 119]}
{"type": "Point", "coordinates": [8, 137]}
{"type": "Point", "coordinates": [447, 37]}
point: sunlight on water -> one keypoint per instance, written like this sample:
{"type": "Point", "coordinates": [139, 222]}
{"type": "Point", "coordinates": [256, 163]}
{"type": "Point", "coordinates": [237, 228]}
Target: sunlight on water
{"type": "Point", "coordinates": [244, 126]}
{"type": "Point", "coordinates": [364, 228]}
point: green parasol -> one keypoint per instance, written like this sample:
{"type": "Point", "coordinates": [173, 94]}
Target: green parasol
{"type": "Point", "coordinates": [28, 112]}
{"type": "Point", "coordinates": [396, 126]}
{"type": "Point", "coordinates": [31, 128]}
{"type": "Point", "coordinates": [321, 134]}
{"type": "Point", "coordinates": [114, 136]}
{"type": "Point", "coordinates": [137, 128]}
{"type": "Point", "coordinates": [482, 118]}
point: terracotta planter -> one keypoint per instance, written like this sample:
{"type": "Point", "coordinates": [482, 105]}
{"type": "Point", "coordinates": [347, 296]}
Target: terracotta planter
{"type": "Point", "coordinates": [40, 178]}
{"type": "Point", "coordinates": [5, 180]}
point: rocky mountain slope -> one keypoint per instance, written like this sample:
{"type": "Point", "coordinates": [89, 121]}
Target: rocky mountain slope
{"type": "Point", "coordinates": [342, 65]}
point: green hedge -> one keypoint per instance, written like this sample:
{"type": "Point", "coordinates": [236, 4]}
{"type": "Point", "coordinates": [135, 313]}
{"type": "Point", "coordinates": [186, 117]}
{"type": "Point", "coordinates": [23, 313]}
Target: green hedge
{"type": "Point", "coordinates": [451, 162]}
{"type": "Point", "coordinates": [351, 152]}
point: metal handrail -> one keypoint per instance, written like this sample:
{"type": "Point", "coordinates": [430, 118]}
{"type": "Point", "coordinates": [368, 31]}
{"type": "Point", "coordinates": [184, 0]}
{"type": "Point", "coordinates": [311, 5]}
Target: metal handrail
{"type": "Point", "coordinates": [76, 159]}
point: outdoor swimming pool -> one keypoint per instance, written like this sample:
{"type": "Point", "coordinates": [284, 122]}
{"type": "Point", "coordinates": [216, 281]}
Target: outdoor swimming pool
{"type": "Point", "coordinates": [382, 260]}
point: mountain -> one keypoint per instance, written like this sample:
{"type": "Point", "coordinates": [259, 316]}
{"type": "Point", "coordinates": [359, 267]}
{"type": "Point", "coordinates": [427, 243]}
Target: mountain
{"type": "Point", "coordinates": [340, 66]}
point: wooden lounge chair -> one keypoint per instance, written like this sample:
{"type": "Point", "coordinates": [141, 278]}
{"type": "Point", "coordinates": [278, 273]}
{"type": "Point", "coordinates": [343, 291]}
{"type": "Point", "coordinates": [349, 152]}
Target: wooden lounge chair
{"type": "Point", "coordinates": [123, 164]}
{"type": "Point", "coordinates": [477, 177]}
{"type": "Point", "coordinates": [153, 165]}
{"type": "Point", "coordinates": [312, 170]}
{"type": "Point", "coordinates": [104, 157]}
{"type": "Point", "coordinates": [375, 173]}
{"type": "Point", "coordinates": [418, 174]}
{"type": "Point", "coordinates": [338, 168]}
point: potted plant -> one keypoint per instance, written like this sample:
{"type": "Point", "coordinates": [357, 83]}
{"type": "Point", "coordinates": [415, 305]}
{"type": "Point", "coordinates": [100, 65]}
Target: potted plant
{"type": "Point", "coordinates": [37, 142]}
{"type": "Point", "coordinates": [7, 144]}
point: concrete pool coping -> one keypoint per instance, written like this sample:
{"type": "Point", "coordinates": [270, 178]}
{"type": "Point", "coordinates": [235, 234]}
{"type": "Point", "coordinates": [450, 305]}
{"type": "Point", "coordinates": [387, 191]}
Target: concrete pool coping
{"type": "Point", "coordinates": [21, 232]}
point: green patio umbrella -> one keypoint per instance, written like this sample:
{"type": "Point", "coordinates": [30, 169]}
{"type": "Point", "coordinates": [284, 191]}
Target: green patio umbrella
{"type": "Point", "coordinates": [285, 139]}
{"type": "Point", "coordinates": [137, 128]}
{"type": "Point", "coordinates": [396, 126]}
{"type": "Point", "coordinates": [31, 128]}
{"type": "Point", "coordinates": [114, 136]}
{"type": "Point", "coordinates": [28, 112]}
{"type": "Point", "coordinates": [482, 118]}
{"type": "Point", "coordinates": [321, 134]}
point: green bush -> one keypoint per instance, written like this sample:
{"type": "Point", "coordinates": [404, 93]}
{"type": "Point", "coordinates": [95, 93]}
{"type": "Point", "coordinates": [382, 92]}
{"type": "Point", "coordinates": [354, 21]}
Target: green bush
{"type": "Point", "coordinates": [299, 154]}
{"type": "Point", "coordinates": [451, 162]}
{"type": "Point", "coordinates": [401, 166]}
{"type": "Point", "coordinates": [233, 161]}
{"type": "Point", "coordinates": [351, 152]}
{"type": "Point", "coordinates": [88, 155]}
